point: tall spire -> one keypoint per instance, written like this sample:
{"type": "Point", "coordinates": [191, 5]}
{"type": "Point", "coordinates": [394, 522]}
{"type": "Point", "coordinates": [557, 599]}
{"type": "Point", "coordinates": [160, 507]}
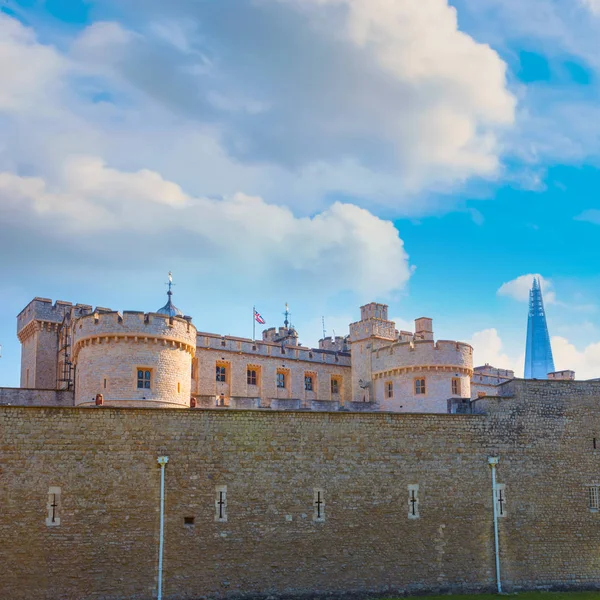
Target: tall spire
{"type": "Point", "coordinates": [538, 352]}
{"type": "Point", "coordinates": [169, 308]}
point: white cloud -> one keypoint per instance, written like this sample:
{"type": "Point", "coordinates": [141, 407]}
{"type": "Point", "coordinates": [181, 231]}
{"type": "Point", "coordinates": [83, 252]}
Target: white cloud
{"type": "Point", "coordinates": [458, 86]}
{"type": "Point", "coordinates": [518, 288]}
{"type": "Point", "coordinates": [488, 349]}
{"type": "Point", "coordinates": [30, 72]}
{"type": "Point", "coordinates": [591, 215]}
{"type": "Point", "coordinates": [585, 363]}
{"type": "Point", "coordinates": [592, 5]}
{"type": "Point", "coordinates": [341, 248]}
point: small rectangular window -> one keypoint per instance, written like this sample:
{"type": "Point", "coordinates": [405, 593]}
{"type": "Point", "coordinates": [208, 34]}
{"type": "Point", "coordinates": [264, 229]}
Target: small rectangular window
{"type": "Point", "coordinates": [455, 386]}
{"type": "Point", "coordinates": [221, 373]}
{"type": "Point", "coordinates": [501, 499]}
{"type": "Point", "coordinates": [280, 380]}
{"type": "Point", "coordinates": [389, 389]}
{"type": "Point", "coordinates": [188, 521]}
{"type": "Point", "coordinates": [420, 386]}
{"type": "Point", "coordinates": [594, 497]}
{"type": "Point", "coordinates": [413, 501]}
{"type": "Point", "coordinates": [318, 504]}
{"type": "Point", "coordinates": [221, 503]}
{"type": "Point", "coordinates": [335, 386]}
{"type": "Point", "coordinates": [144, 378]}
{"type": "Point", "coordinates": [308, 383]}
{"type": "Point", "coordinates": [251, 377]}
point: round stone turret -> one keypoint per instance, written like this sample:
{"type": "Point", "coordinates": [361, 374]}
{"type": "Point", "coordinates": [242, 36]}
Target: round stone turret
{"type": "Point", "coordinates": [133, 359]}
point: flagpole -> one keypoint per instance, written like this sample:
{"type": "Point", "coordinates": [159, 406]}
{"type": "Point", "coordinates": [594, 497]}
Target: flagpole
{"type": "Point", "coordinates": [254, 323]}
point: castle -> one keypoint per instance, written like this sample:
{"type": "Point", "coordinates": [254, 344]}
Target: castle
{"type": "Point", "coordinates": [160, 359]}
{"type": "Point", "coordinates": [412, 473]}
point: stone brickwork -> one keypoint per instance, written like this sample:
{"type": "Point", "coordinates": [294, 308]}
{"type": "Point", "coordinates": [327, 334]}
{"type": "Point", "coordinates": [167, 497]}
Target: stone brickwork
{"type": "Point", "coordinates": [101, 465]}
{"type": "Point", "coordinates": [238, 355]}
{"type": "Point", "coordinates": [437, 363]}
{"type": "Point", "coordinates": [36, 397]}
{"type": "Point", "coordinates": [110, 348]}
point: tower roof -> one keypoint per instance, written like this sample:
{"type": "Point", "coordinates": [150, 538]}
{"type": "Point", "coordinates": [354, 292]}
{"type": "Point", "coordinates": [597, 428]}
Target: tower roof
{"type": "Point", "coordinates": [169, 308]}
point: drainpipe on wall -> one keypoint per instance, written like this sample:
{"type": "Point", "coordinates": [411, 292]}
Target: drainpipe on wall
{"type": "Point", "coordinates": [162, 461]}
{"type": "Point", "coordinates": [493, 462]}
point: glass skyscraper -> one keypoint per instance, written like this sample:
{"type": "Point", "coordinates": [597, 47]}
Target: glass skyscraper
{"type": "Point", "coordinates": [538, 352]}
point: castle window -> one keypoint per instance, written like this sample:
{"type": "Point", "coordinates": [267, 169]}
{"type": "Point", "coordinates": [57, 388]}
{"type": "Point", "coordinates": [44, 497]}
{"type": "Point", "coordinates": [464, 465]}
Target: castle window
{"type": "Point", "coordinates": [251, 377]}
{"type": "Point", "coordinates": [420, 385]}
{"type": "Point", "coordinates": [53, 518]}
{"type": "Point", "coordinates": [594, 498]}
{"type": "Point", "coordinates": [221, 503]}
{"type": "Point", "coordinates": [144, 379]}
{"type": "Point", "coordinates": [308, 383]}
{"type": "Point", "coordinates": [455, 386]}
{"type": "Point", "coordinates": [413, 501]}
{"type": "Point", "coordinates": [319, 504]}
{"type": "Point", "coordinates": [221, 373]}
{"type": "Point", "coordinates": [178, 387]}
{"type": "Point", "coordinates": [335, 385]}
{"type": "Point", "coordinates": [501, 499]}
{"type": "Point", "coordinates": [188, 521]}
{"type": "Point", "coordinates": [389, 389]}
{"type": "Point", "coordinates": [280, 380]}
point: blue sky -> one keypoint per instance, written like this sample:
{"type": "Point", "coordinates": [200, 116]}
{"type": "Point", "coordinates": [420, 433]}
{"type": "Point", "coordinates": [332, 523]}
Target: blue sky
{"type": "Point", "coordinates": [430, 155]}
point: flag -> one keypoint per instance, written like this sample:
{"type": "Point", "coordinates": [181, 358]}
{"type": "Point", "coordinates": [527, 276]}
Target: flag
{"type": "Point", "coordinates": [258, 318]}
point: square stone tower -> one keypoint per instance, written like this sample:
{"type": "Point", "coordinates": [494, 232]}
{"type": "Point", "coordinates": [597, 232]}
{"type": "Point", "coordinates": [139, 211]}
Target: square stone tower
{"type": "Point", "coordinates": [373, 330]}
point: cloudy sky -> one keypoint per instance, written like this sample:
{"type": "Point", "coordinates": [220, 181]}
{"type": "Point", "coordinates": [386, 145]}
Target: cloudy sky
{"type": "Point", "coordinates": [430, 154]}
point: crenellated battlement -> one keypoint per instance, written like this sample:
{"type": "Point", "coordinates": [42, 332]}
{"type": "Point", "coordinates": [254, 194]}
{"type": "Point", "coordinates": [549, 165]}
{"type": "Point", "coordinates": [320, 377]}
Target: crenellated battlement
{"type": "Point", "coordinates": [423, 354]}
{"type": "Point", "coordinates": [135, 326]}
{"type": "Point", "coordinates": [44, 311]}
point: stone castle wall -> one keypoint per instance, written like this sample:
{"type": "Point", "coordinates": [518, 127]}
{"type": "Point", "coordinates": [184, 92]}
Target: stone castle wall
{"type": "Point", "coordinates": [36, 397]}
{"type": "Point", "coordinates": [273, 464]}
{"type": "Point", "coordinates": [109, 348]}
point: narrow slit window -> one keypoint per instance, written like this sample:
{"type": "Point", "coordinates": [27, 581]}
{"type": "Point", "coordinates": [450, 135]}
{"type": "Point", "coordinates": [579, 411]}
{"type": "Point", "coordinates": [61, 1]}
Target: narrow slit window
{"type": "Point", "coordinates": [501, 499]}
{"type": "Point", "coordinates": [53, 507]}
{"type": "Point", "coordinates": [389, 389]}
{"type": "Point", "coordinates": [594, 498]}
{"type": "Point", "coordinates": [455, 386]}
{"type": "Point", "coordinates": [221, 503]}
{"type": "Point", "coordinates": [319, 504]}
{"type": "Point", "coordinates": [413, 501]}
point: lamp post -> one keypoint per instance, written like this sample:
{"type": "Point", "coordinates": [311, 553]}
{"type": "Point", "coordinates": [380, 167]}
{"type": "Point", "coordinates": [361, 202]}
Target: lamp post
{"type": "Point", "coordinates": [493, 462]}
{"type": "Point", "coordinates": [162, 461]}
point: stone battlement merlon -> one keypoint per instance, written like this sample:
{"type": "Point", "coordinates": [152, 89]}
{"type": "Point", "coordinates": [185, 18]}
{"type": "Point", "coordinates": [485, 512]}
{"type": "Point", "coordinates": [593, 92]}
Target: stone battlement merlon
{"type": "Point", "coordinates": [228, 343]}
{"type": "Point", "coordinates": [135, 324]}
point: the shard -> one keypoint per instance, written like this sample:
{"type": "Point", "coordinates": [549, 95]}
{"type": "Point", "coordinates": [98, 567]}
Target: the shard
{"type": "Point", "coordinates": [538, 353]}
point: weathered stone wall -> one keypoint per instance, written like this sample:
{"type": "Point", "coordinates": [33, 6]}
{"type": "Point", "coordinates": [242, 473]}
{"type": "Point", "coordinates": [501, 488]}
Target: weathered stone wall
{"type": "Point", "coordinates": [104, 462]}
{"type": "Point", "coordinates": [35, 397]}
